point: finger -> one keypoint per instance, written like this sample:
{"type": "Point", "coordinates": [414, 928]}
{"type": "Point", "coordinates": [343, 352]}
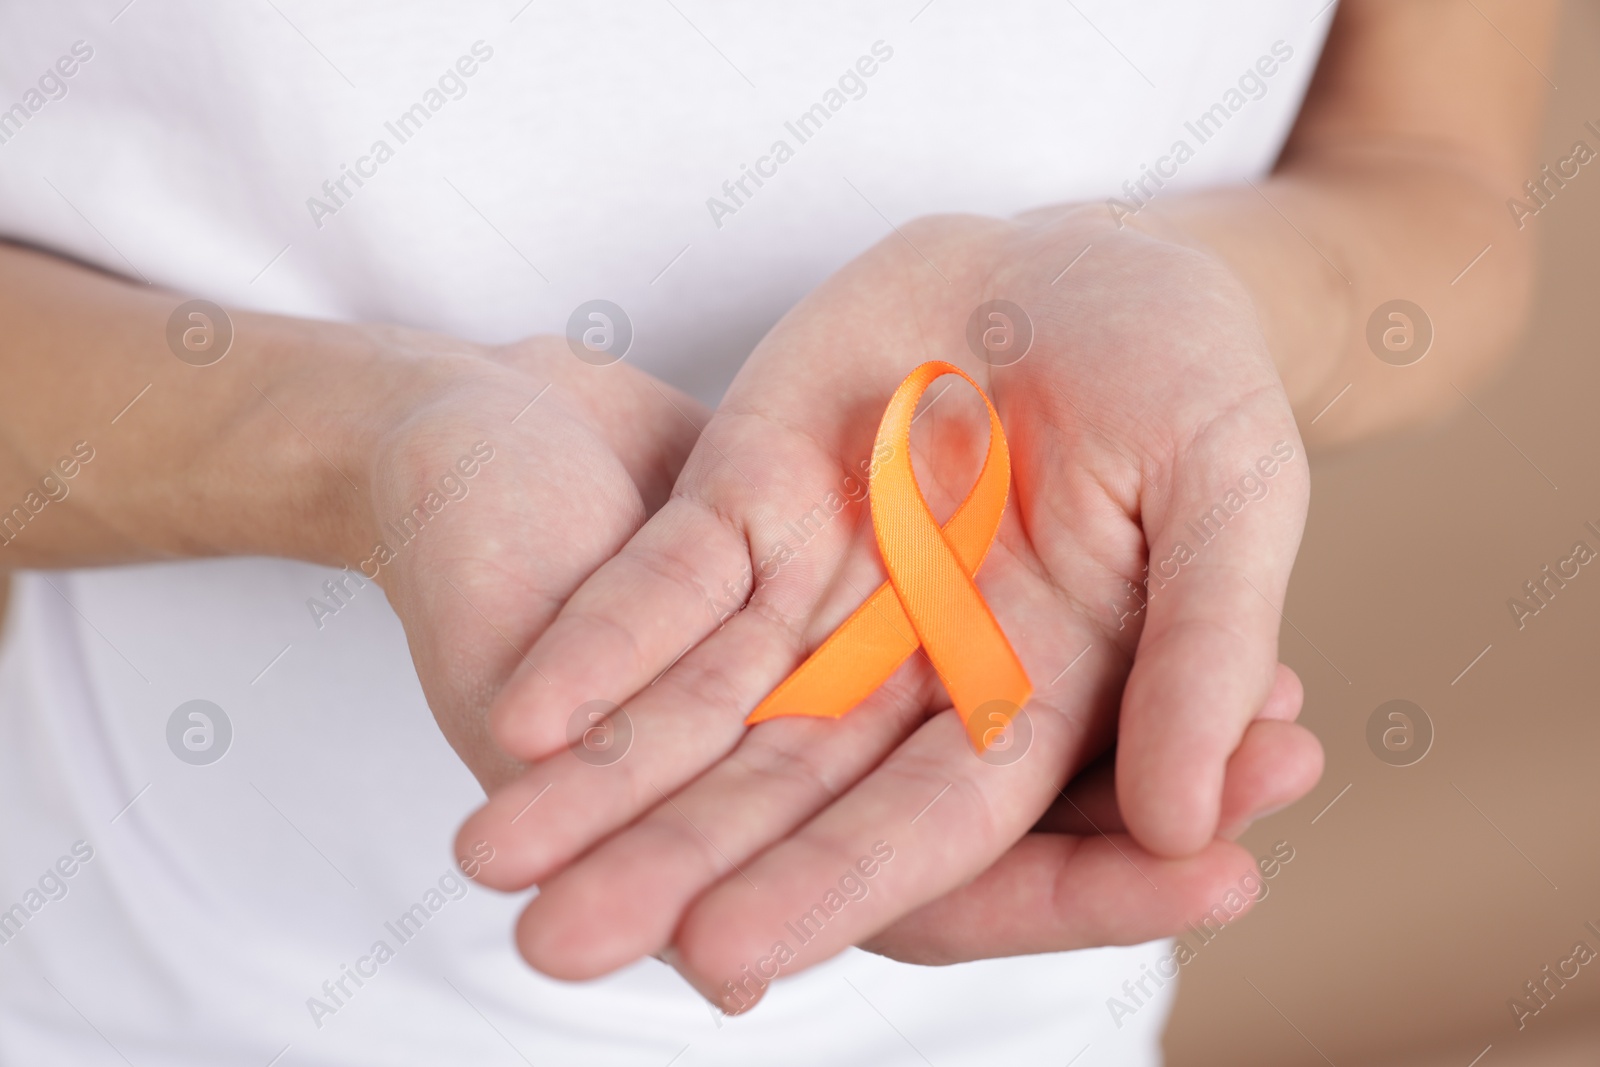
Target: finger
{"type": "Point", "coordinates": [816, 570]}
{"type": "Point", "coordinates": [651, 426]}
{"type": "Point", "coordinates": [691, 568]}
{"type": "Point", "coordinates": [1286, 698]}
{"type": "Point", "coordinates": [1207, 656]}
{"type": "Point", "coordinates": [581, 925]}
{"type": "Point", "coordinates": [676, 727]}
{"type": "Point", "coordinates": [1058, 892]}
{"type": "Point", "coordinates": [590, 918]}
{"type": "Point", "coordinates": [1049, 892]}
{"type": "Point", "coordinates": [932, 816]}
{"type": "Point", "coordinates": [1088, 803]}
{"type": "Point", "coordinates": [623, 626]}
{"type": "Point", "coordinates": [1276, 764]}
{"type": "Point", "coordinates": [661, 739]}
{"type": "Point", "coordinates": [1263, 774]}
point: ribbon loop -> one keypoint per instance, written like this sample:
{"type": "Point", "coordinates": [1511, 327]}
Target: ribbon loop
{"type": "Point", "coordinates": [930, 600]}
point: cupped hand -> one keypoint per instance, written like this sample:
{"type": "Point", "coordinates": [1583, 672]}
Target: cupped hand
{"type": "Point", "coordinates": [519, 471]}
{"type": "Point", "coordinates": [1077, 880]}
{"type": "Point", "coordinates": [1147, 425]}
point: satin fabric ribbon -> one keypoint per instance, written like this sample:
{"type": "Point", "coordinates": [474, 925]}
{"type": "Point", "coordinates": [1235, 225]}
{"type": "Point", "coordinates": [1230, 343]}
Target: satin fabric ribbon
{"type": "Point", "coordinates": [929, 601]}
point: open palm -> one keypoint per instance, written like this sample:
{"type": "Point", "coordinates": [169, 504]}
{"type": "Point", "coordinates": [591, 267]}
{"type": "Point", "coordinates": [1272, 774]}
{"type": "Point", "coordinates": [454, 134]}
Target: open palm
{"type": "Point", "coordinates": [1144, 398]}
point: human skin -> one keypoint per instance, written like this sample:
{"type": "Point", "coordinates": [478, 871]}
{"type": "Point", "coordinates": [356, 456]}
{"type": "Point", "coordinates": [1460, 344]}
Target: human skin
{"type": "Point", "coordinates": [309, 435]}
{"type": "Point", "coordinates": [1147, 395]}
{"type": "Point", "coordinates": [248, 457]}
{"type": "Point", "coordinates": [1175, 357]}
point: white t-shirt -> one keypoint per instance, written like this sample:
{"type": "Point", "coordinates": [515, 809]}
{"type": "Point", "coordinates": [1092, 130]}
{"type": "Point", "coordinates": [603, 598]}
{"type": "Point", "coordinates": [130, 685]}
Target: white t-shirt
{"type": "Point", "coordinates": [483, 172]}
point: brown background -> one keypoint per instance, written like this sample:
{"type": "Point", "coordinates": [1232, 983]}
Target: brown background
{"type": "Point", "coordinates": [1407, 920]}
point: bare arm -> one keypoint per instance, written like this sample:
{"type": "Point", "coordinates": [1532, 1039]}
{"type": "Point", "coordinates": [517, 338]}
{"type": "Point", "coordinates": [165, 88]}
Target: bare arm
{"type": "Point", "coordinates": [1419, 125]}
{"type": "Point", "coordinates": [331, 443]}
{"type": "Point", "coordinates": [248, 455]}
{"type": "Point", "coordinates": [1422, 120]}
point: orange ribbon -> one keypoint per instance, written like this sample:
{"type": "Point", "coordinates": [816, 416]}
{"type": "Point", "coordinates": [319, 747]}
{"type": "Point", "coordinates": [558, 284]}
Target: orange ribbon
{"type": "Point", "coordinates": [929, 600]}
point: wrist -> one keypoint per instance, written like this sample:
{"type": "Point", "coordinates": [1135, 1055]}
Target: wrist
{"type": "Point", "coordinates": [141, 452]}
{"type": "Point", "coordinates": [316, 407]}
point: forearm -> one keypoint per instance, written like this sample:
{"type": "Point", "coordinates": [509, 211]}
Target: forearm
{"type": "Point", "coordinates": [1422, 120]}
{"type": "Point", "coordinates": [113, 449]}
{"type": "Point", "coordinates": [1329, 239]}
